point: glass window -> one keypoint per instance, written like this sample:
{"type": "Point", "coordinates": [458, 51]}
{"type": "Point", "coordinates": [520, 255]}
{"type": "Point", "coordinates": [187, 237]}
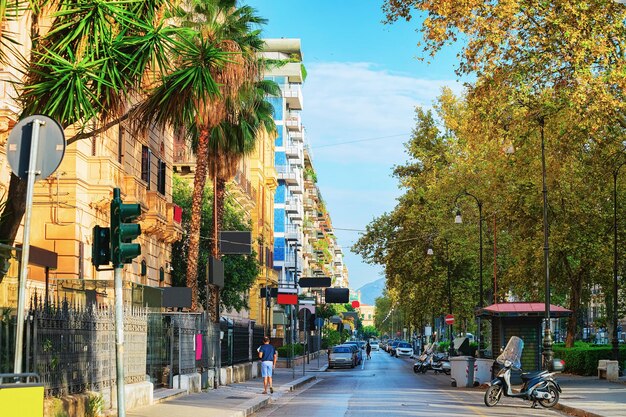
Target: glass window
{"type": "Point", "coordinates": [279, 220]}
{"type": "Point", "coordinates": [279, 249]}
{"type": "Point", "coordinates": [161, 177]}
{"type": "Point", "coordinates": [145, 164]}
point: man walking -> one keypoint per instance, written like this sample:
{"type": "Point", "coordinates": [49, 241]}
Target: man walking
{"type": "Point", "coordinates": [268, 356]}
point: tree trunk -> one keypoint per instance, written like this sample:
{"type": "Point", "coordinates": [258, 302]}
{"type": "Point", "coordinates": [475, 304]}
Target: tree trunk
{"type": "Point", "coordinates": [574, 305]}
{"type": "Point", "coordinates": [196, 215]}
{"type": "Point", "coordinates": [219, 195]}
{"type": "Point", "coordinates": [14, 210]}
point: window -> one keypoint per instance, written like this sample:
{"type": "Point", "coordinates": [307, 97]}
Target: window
{"type": "Point", "coordinates": [145, 164]}
{"type": "Point", "coordinates": [161, 177]}
{"type": "Point", "coordinates": [120, 144]}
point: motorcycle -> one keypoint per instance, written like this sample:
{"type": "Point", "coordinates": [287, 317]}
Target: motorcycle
{"type": "Point", "coordinates": [440, 364]}
{"type": "Point", "coordinates": [538, 387]}
{"type": "Point", "coordinates": [430, 360]}
{"type": "Point", "coordinates": [421, 360]}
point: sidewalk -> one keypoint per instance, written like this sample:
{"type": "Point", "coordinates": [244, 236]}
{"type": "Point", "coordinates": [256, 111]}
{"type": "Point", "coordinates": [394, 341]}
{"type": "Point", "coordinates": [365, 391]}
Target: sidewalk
{"type": "Point", "coordinates": [588, 396]}
{"type": "Point", "coordinates": [236, 400]}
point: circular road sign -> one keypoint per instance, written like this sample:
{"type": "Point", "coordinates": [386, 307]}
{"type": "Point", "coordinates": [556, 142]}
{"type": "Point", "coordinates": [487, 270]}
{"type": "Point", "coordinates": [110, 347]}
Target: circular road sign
{"type": "Point", "coordinates": [49, 152]}
{"type": "Point", "coordinates": [356, 304]}
{"type": "Point", "coordinates": [450, 319]}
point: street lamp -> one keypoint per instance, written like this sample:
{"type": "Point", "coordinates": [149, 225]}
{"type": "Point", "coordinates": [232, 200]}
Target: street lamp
{"type": "Point", "coordinates": [430, 252]}
{"type": "Point", "coordinates": [614, 340]}
{"type": "Point", "coordinates": [459, 219]}
{"type": "Point", "coordinates": [548, 354]}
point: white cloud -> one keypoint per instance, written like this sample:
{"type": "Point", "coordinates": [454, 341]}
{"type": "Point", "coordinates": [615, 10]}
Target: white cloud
{"type": "Point", "coordinates": [353, 101]}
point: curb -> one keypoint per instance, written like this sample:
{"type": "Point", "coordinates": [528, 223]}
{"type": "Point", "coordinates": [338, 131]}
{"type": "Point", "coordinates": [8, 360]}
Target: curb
{"type": "Point", "coordinates": [251, 406]}
{"type": "Point", "coordinates": [292, 386]}
{"type": "Point", "coordinates": [169, 397]}
{"type": "Point", "coordinates": [578, 412]}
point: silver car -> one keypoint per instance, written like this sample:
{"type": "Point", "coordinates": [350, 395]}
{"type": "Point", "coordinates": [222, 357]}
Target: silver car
{"type": "Point", "coordinates": [342, 355]}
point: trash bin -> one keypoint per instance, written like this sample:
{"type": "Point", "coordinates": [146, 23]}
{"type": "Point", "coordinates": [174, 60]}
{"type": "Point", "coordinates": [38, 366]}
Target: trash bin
{"type": "Point", "coordinates": [24, 399]}
{"type": "Point", "coordinates": [462, 371]}
{"type": "Point", "coordinates": [482, 371]}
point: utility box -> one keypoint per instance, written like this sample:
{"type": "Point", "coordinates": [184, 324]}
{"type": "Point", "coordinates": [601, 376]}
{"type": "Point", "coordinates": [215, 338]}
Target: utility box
{"type": "Point", "coordinates": [24, 399]}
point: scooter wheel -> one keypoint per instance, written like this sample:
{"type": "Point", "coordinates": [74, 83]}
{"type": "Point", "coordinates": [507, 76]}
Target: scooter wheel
{"type": "Point", "coordinates": [492, 395]}
{"type": "Point", "coordinates": [554, 400]}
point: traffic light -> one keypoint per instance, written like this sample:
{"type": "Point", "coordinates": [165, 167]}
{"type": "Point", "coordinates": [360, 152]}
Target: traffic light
{"type": "Point", "coordinates": [122, 232]}
{"type": "Point", "coordinates": [101, 246]}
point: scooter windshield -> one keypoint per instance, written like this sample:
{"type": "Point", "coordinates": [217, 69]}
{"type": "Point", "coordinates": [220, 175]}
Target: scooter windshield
{"type": "Point", "coordinates": [512, 352]}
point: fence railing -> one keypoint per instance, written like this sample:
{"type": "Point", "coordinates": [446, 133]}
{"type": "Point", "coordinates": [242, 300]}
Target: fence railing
{"type": "Point", "coordinates": [72, 348]}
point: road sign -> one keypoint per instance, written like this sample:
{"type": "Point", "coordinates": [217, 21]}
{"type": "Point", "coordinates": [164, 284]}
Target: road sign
{"type": "Point", "coordinates": [355, 304]}
{"type": "Point", "coordinates": [450, 319]}
{"type": "Point", "coordinates": [49, 146]}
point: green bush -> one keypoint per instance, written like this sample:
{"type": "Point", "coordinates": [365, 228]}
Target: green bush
{"type": "Point", "coordinates": [443, 346]}
{"type": "Point", "coordinates": [582, 359]}
{"type": "Point", "coordinates": [285, 351]}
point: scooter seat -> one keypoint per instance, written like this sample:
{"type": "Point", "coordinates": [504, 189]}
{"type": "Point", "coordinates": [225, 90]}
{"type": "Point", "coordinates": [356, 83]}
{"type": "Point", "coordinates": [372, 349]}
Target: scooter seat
{"type": "Point", "coordinates": [530, 375]}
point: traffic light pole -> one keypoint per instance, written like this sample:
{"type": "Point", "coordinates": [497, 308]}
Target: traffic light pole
{"type": "Point", "coordinates": [123, 231]}
{"type": "Point", "coordinates": [119, 342]}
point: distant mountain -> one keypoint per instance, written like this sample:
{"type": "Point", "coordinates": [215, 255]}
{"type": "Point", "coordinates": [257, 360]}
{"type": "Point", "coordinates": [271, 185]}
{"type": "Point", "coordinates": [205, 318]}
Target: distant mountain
{"type": "Point", "coordinates": [371, 291]}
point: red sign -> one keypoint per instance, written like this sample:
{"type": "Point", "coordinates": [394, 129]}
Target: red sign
{"type": "Point", "coordinates": [286, 298]}
{"type": "Point", "coordinates": [450, 319]}
{"type": "Point", "coordinates": [356, 304]}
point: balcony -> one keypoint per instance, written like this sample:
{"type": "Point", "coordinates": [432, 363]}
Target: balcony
{"type": "Point", "coordinates": [293, 95]}
{"type": "Point", "coordinates": [155, 220]}
{"type": "Point", "coordinates": [292, 176]}
{"type": "Point", "coordinates": [292, 234]}
{"type": "Point", "coordinates": [297, 137]}
{"type": "Point", "coordinates": [294, 152]}
{"type": "Point", "coordinates": [293, 122]}
{"type": "Point", "coordinates": [290, 263]}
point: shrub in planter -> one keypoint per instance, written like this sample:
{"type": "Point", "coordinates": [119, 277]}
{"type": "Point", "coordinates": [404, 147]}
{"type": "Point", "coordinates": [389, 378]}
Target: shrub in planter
{"type": "Point", "coordinates": [582, 359]}
{"type": "Point", "coordinates": [285, 351]}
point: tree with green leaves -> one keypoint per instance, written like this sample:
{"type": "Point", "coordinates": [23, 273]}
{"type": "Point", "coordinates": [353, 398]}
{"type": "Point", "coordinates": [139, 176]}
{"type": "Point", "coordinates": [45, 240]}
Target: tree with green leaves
{"type": "Point", "coordinates": [89, 65]}
{"type": "Point", "coordinates": [240, 271]}
{"type": "Point", "coordinates": [186, 100]}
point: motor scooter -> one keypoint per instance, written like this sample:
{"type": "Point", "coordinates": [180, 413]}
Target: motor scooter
{"type": "Point", "coordinates": [440, 364]}
{"type": "Point", "coordinates": [422, 359]}
{"type": "Point", "coordinates": [538, 387]}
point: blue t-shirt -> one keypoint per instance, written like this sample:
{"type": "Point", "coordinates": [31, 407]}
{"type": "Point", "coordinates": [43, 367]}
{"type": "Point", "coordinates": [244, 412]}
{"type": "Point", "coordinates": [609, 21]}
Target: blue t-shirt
{"type": "Point", "coordinates": [268, 352]}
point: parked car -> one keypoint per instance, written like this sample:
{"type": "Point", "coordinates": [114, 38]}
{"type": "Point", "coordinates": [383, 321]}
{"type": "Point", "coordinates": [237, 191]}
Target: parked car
{"type": "Point", "coordinates": [392, 347]}
{"type": "Point", "coordinates": [359, 351]}
{"type": "Point", "coordinates": [342, 355]}
{"type": "Point", "coordinates": [404, 349]}
{"type": "Point", "coordinates": [375, 345]}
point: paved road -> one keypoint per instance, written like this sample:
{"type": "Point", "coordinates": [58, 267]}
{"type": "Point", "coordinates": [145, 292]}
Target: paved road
{"type": "Point", "coordinates": [388, 386]}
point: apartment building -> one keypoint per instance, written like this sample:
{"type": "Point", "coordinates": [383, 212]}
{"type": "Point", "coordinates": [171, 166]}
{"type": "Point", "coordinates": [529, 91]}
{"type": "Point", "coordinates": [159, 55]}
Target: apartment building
{"type": "Point", "coordinates": [77, 196]}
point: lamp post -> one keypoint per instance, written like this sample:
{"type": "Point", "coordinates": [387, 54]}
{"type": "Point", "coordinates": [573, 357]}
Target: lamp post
{"type": "Point", "coordinates": [548, 354]}
{"type": "Point", "coordinates": [430, 252]}
{"type": "Point", "coordinates": [614, 340]}
{"type": "Point", "coordinates": [458, 219]}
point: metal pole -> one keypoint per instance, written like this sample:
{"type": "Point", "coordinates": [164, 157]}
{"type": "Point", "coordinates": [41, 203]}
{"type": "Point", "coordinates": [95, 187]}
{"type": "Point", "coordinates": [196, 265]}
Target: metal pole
{"type": "Point", "coordinates": [547, 339]}
{"type": "Point", "coordinates": [614, 340]}
{"type": "Point", "coordinates": [480, 303]}
{"type": "Point", "coordinates": [450, 348]}
{"type": "Point", "coordinates": [21, 300]}
{"type": "Point", "coordinates": [304, 344]}
{"type": "Point", "coordinates": [119, 340]}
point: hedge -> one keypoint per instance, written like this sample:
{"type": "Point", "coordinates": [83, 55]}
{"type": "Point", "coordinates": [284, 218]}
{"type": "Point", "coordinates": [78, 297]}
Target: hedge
{"type": "Point", "coordinates": [582, 359]}
{"type": "Point", "coordinates": [285, 351]}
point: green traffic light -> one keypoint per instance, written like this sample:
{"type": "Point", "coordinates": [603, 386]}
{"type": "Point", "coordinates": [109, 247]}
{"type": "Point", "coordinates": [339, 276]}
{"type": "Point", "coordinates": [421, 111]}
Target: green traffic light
{"type": "Point", "coordinates": [101, 246]}
{"type": "Point", "coordinates": [123, 251]}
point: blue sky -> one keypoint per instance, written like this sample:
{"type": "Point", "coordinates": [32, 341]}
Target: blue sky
{"type": "Point", "coordinates": [363, 83]}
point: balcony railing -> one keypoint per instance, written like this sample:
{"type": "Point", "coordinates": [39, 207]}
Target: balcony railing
{"type": "Point", "coordinates": [293, 121]}
{"type": "Point", "coordinates": [293, 95]}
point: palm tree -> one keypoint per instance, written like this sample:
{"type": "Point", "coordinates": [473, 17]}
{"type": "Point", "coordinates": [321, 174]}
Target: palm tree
{"type": "Point", "coordinates": [226, 28]}
{"type": "Point", "coordinates": [232, 140]}
{"type": "Point", "coordinates": [86, 66]}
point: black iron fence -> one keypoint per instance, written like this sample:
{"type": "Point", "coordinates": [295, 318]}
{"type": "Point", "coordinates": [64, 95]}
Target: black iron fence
{"type": "Point", "coordinates": [72, 347]}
